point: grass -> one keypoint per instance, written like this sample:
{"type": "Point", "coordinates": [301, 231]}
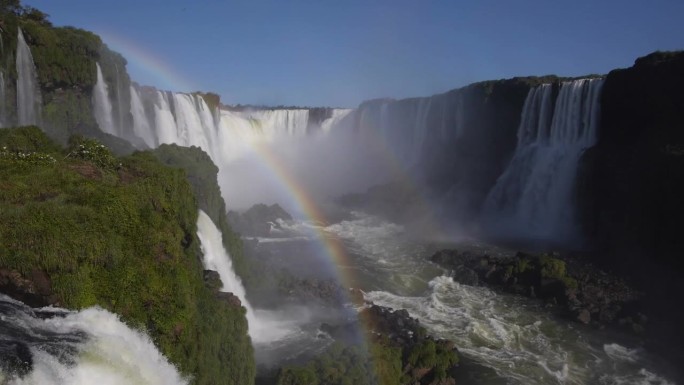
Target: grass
{"type": "Point", "coordinates": [119, 233]}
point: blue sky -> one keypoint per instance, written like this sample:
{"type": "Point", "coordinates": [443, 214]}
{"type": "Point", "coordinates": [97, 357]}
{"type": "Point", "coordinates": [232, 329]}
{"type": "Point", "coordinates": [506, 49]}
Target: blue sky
{"type": "Point", "coordinates": [339, 53]}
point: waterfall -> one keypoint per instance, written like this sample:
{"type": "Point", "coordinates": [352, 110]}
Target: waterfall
{"type": "Point", "coordinates": [164, 122]}
{"type": "Point", "coordinates": [3, 95]}
{"type": "Point", "coordinates": [58, 346]}
{"type": "Point", "coordinates": [121, 121]}
{"type": "Point", "coordinates": [102, 106]}
{"type": "Point", "coordinates": [141, 124]}
{"type": "Point", "coordinates": [216, 258]}
{"type": "Point", "coordinates": [534, 195]}
{"type": "Point", "coordinates": [28, 92]}
{"type": "Point", "coordinates": [420, 129]}
{"type": "Point", "coordinates": [334, 120]}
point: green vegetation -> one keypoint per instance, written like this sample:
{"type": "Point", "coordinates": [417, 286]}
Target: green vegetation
{"type": "Point", "coordinates": [390, 357]}
{"type": "Point", "coordinates": [551, 267]}
{"type": "Point", "coordinates": [202, 175]}
{"type": "Point", "coordinates": [347, 365]}
{"type": "Point", "coordinates": [431, 354]}
{"type": "Point", "coordinates": [119, 233]}
{"type": "Point", "coordinates": [65, 60]}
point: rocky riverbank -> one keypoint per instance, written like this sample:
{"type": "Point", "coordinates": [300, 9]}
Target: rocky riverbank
{"type": "Point", "coordinates": [384, 346]}
{"type": "Point", "coordinates": [576, 289]}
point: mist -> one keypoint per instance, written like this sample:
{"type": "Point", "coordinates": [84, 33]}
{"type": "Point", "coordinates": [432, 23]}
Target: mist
{"type": "Point", "coordinates": [277, 166]}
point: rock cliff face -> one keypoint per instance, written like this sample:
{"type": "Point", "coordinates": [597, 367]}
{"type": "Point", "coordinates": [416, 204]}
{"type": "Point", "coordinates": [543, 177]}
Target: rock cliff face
{"type": "Point", "coordinates": [638, 165]}
{"type": "Point", "coordinates": [80, 227]}
{"type": "Point", "coordinates": [65, 62]}
{"type": "Point", "coordinates": [633, 182]}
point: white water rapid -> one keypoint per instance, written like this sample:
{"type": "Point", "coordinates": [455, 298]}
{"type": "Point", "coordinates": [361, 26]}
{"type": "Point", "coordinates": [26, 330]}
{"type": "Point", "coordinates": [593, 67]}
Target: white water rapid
{"type": "Point", "coordinates": [534, 196]}
{"type": "Point", "coordinates": [502, 338]}
{"type": "Point", "coordinates": [28, 93]}
{"type": "Point", "coordinates": [91, 346]}
{"type": "Point", "coordinates": [102, 105]}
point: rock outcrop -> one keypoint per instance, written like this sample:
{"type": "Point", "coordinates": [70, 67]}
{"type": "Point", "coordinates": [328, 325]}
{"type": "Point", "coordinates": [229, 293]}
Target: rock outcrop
{"type": "Point", "coordinates": [259, 220]}
{"type": "Point", "coordinates": [584, 293]}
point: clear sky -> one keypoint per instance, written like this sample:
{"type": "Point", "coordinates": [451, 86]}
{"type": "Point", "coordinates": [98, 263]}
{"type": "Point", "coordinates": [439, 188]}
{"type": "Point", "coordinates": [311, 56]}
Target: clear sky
{"type": "Point", "coordinates": [338, 53]}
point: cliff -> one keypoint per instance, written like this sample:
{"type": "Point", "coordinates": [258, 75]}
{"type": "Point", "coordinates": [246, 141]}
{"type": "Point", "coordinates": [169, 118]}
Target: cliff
{"type": "Point", "coordinates": [80, 227]}
{"type": "Point", "coordinates": [65, 60]}
{"type": "Point", "coordinates": [639, 161]}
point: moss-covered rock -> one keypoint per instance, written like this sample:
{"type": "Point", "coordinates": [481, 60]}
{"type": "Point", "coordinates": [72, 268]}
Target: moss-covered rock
{"type": "Point", "coordinates": [65, 59]}
{"type": "Point", "coordinates": [398, 351]}
{"type": "Point", "coordinates": [202, 174]}
{"type": "Point", "coordinates": [121, 234]}
{"type": "Point", "coordinates": [583, 292]}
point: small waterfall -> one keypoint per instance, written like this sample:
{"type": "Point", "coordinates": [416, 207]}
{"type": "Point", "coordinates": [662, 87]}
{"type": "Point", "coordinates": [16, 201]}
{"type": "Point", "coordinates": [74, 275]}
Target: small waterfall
{"type": "Point", "coordinates": [533, 197]}
{"type": "Point", "coordinates": [102, 105]}
{"type": "Point", "coordinates": [420, 129]}
{"type": "Point", "coordinates": [3, 95]}
{"type": "Point", "coordinates": [121, 121]}
{"type": "Point", "coordinates": [164, 122]}
{"type": "Point", "coordinates": [141, 123]}
{"type": "Point", "coordinates": [334, 120]}
{"type": "Point", "coordinates": [28, 92]}
{"type": "Point", "coordinates": [85, 347]}
{"type": "Point", "coordinates": [216, 258]}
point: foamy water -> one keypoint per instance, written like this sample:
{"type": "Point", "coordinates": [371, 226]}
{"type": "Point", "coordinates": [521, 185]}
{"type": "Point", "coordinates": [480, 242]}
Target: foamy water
{"type": "Point", "coordinates": [88, 347]}
{"type": "Point", "coordinates": [516, 337]}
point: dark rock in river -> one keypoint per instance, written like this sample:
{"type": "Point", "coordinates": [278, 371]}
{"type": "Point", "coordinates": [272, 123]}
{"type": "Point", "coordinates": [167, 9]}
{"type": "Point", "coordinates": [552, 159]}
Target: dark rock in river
{"type": "Point", "coordinates": [258, 220]}
{"type": "Point", "coordinates": [584, 293]}
{"type": "Point", "coordinates": [34, 289]}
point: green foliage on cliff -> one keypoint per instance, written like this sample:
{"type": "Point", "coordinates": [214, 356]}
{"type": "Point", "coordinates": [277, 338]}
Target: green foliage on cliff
{"type": "Point", "coordinates": [64, 57]}
{"type": "Point", "coordinates": [202, 175]}
{"type": "Point", "coordinates": [432, 354]}
{"type": "Point", "coordinates": [347, 365]}
{"type": "Point", "coordinates": [382, 363]}
{"type": "Point", "coordinates": [122, 237]}
{"type": "Point", "coordinates": [65, 60]}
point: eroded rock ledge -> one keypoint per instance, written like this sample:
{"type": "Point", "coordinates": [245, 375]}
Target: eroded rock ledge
{"type": "Point", "coordinates": [580, 291]}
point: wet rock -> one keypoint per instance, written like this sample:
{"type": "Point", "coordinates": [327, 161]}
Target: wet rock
{"type": "Point", "coordinates": [356, 296]}
{"type": "Point", "coordinates": [258, 220]}
{"type": "Point", "coordinates": [212, 280]}
{"type": "Point", "coordinates": [34, 290]}
{"type": "Point", "coordinates": [584, 316]}
{"type": "Point", "coordinates": [465, 275]}
{"type": "Point", "coordinates": [229, 298]}
{"type": "Point", "coordinates": [581, 291]}
{"type": "Point", "coordinates": [15, 358]}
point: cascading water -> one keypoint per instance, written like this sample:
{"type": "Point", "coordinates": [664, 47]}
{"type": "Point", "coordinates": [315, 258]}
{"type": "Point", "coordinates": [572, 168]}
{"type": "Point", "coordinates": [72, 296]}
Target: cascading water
{"type": "Point", "coordinates": [420, 130]}
{"type": "Point", "coordinates": [3, 95]}
{"type": "Point", "coordinates": [102, 106]}
{"type": "Point", "coordinates": [164, 122]}
{"type": "Point", "coordinates": [533, 197]}
{"type": "Point", "coordinates": [121, 119]}
{"type": "Point", "coordinates": [55, 346]}
{"type": "Point", "coordinates": [141, 124]}
{"type": "Point", "coordinates": [28, 92]}
{"type": "Point", "coordinates": [336, 117]}
{"type": "Point", "coordinates": [262, 328]}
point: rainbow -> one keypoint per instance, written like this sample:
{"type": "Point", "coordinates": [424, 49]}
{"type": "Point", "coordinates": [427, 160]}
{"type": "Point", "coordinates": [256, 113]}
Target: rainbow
{"type": "Point", "coordinates": [303, 201]}
{"type": "Point", "coordinates": [142, 60]}
{"type": "Point", "coordinates": [143, 63]}
{"type": "Point", "coordinates": [333, 250]}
